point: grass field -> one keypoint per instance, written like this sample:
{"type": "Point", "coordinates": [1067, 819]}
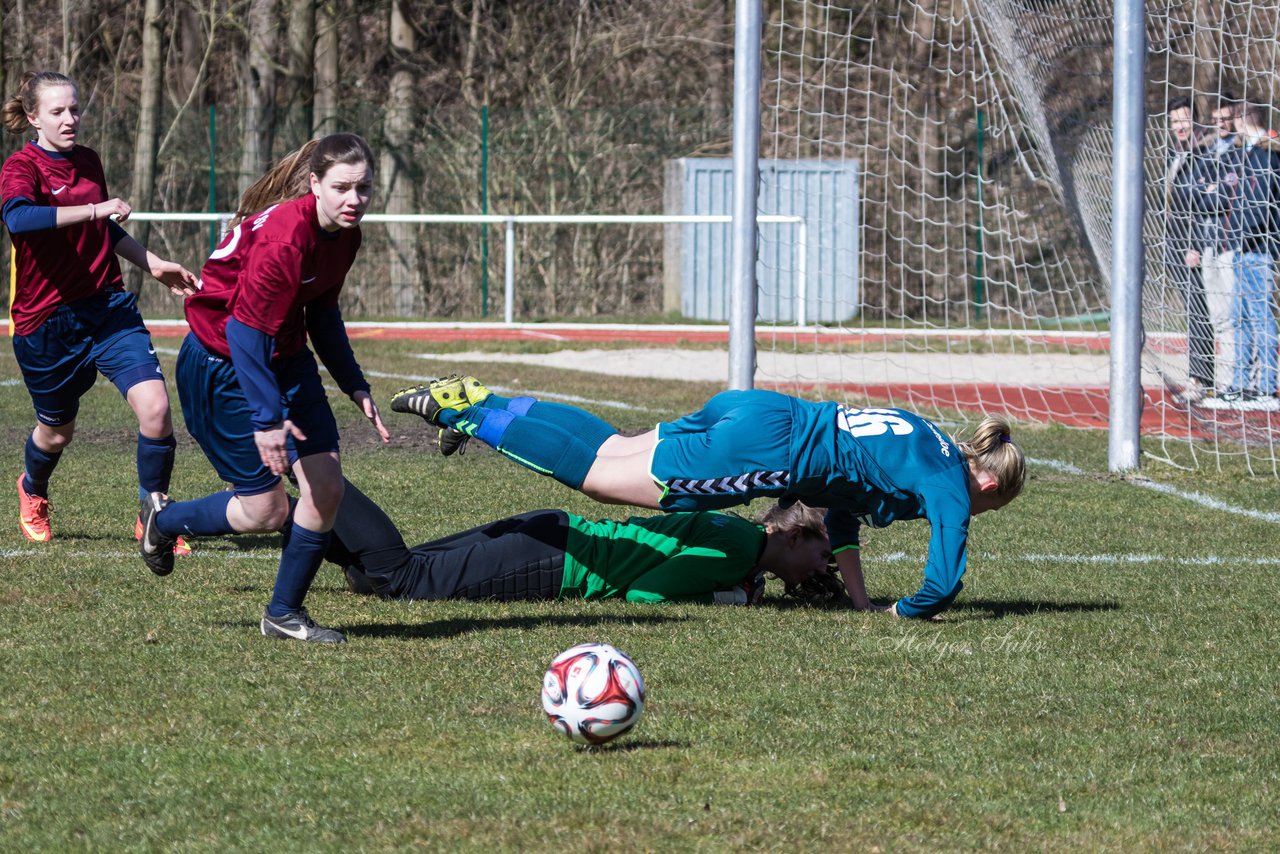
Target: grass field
{"type": "Point", "coordinates": [1106, 681]}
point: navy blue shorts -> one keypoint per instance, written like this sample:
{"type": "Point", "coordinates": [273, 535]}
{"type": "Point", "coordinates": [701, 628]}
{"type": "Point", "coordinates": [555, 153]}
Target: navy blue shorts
{"type": "Point", "coordinates": [735, 449]}
{"type": "Point", "coordinates": [60, 360]}
{"type": "Point", "coordinates": [218, 415]}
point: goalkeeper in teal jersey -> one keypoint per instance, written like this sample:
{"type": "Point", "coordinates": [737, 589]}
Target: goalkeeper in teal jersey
{"type": "Point", "coordinates": [868, 467]}
{"type": "Point", "coordinates": [550, 554]}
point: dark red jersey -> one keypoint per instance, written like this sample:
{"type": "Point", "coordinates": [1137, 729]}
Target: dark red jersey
{"type": "Point", "coordinates": [267, 270]}
{"type": "Point", "coordinates": [59, 265]}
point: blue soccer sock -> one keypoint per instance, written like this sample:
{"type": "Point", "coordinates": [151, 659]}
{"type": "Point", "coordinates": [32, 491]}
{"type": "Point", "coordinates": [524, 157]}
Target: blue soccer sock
{"type": "Point", "coordinates": [591, 430]}
{"type": "Point", "coordinates": [39, 466]}
{"type": "Point", "coordinates": [155, 464]}
{"type": "Point", "coordinates": [299, 563]}
{"type": "Point", "coordinates": [543, 446]}
{"type": "Point", "coordinates": [588, 428]}
{"type": "Point", "coordinates": [549, 450]}
{"type": "Point", "coordinates": [202, 517]}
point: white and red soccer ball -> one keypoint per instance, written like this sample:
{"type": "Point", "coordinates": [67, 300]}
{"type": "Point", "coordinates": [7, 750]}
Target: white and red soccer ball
{"type": "Point", "coordinates": [592, 693]}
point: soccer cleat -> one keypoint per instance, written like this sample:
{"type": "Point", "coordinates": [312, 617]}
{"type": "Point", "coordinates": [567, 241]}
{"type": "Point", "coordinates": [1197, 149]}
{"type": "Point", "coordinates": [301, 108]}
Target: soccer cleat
{"type": "Point", "coordinates": [33, 515]}
{"type": "Point", "coordinates": [156, 548]}
{"type": "Point", "coordinates": [453, 441]}
{"type": "Point", "coordinates": [298, 625]}
{"type": "Point", "coordinates": [451, 392]}
{"type": "Point", "coordinates": [180, 546]}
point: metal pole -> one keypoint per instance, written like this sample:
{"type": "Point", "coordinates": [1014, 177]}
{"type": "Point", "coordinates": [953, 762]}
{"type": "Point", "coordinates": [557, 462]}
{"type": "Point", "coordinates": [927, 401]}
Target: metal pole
{"type": "Point", "coordinates": [213, 174]}
{"type": "Point", "coordinates": [509, 278]}
{"type": "Point", "coordinates": [484, 209]}
{"type": "Point", "coordinates": [802, 274]}
{"type": "Point", "coordinates": [746, 175]}
{"type": "Point", "coordinates": [979, 282]}
{"type": "Point", "coordinates": [1128, 118]}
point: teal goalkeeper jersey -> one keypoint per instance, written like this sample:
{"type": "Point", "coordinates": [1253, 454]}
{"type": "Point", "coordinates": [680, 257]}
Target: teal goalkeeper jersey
{"type": "Point", "coordinates": [676, 556]}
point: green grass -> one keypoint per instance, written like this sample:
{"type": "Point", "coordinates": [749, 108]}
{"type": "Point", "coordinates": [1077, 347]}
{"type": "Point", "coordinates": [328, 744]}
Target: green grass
{"type": "Point", "coordinates": [1092, 689]}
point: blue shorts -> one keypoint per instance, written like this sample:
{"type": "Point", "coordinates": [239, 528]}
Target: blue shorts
{"type": "Point", "coordinates": [218, 415]}
{"type": "Point", "coordinates": [60, 360]}
{"type": "Point", "coordinates": [733, 450]}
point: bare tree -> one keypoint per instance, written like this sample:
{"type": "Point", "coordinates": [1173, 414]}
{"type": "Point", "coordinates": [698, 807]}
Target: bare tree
{"type": "Point", "coordinates": [302, 58]}
{"type": "Point", "coordinates": [326, 70]}
{"type": "Point", "coordinates": [398, 184]}
{"type": "Point", "coordinates": [259, 87]}
{"type": "Point", "coordinates": [142, 186]}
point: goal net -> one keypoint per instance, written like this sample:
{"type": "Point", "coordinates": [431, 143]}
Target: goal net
{"type": "Point", "coordinates": [981, 135]}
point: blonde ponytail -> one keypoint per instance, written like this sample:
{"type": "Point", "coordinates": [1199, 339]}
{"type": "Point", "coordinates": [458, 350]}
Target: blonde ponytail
{"type": "Point", "coordinates": [991, 449]}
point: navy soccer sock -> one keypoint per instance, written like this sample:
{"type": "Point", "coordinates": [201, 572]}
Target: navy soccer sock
{"type": "Point", "coordinates": [155, 464]}
{"type": "Point", "coordinates": [39, 466]}
{"type": "Point", "coordinates": [299, 563]}
{"type": "Point", "coordinates": [202, 517]}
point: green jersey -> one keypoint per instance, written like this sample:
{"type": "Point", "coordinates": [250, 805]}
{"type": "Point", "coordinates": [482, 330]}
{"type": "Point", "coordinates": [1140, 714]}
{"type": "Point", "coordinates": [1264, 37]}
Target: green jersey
{"type": "Point", "coordinates": [677, 556]}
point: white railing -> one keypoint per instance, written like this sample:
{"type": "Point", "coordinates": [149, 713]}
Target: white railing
{"type": "Point", "coordinates": [509, 221]}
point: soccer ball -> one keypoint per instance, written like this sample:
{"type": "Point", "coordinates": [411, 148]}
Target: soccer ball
{"type": "Point", "coordinates": [593, 693]}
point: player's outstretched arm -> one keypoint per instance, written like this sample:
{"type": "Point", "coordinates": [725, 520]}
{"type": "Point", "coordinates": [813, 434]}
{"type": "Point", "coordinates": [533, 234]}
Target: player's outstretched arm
{"type": "Point", "coordinates": [850, 563]}
{"type": "Point", "coordinates": [364, 400]}
{"type": "Point", "coordinates": [178, 279]}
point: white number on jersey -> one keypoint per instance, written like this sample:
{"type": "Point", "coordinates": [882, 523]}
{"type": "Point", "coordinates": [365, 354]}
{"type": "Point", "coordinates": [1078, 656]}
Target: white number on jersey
{"type": "Point", "coordinates": [228, 247]}
{"type": "Point", "coordinates": [872, 422]}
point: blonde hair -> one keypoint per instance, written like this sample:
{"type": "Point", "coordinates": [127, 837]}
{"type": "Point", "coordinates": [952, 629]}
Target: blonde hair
{"type": "Point", "coordinates": [800, 518]}
{"type": "Point", "coordinates": [290, 177]}
{"type": "Point", "coordinates": [27, 99]}
{"type": "Point", "coordinates": [991, 449]}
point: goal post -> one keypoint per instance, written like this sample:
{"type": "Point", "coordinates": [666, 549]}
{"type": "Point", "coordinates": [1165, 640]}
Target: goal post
{"type": "Point", "coordinates": [1015, 250]}
{"type": "Point", "coordinates": [1129, 117]}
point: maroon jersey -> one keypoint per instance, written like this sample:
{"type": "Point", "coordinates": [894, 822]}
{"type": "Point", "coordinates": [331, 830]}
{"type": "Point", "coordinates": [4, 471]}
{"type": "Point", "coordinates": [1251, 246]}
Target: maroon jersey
{"type": "Point", "coordinates": [266, 271]}
{"type": "Point", "coordinates": [58, 265]}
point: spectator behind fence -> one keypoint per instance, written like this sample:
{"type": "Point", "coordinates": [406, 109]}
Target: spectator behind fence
{"type": "Point", "coordinates": [1252, 194]}
{"type": "Point", "coordinates": [1216, 242]}
{"type": "Point", "coordinates": [1186, 147]}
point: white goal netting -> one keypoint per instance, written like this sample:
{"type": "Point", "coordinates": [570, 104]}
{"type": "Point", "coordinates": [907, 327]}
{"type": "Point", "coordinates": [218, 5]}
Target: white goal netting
{"type": "Point", "coordinates": [981, 132]}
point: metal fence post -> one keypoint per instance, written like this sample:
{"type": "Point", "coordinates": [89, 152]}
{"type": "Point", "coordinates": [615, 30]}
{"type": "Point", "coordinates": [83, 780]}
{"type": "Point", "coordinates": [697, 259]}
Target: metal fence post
{"type": "Point", "coordinates": [510, 274]}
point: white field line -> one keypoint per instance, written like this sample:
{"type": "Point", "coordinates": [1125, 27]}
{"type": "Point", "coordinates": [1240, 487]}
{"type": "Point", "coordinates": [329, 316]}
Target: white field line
{"type": "Point", "coordinates": [1205, 500]}
{"type": "Point", "coordinates": [273, 556]}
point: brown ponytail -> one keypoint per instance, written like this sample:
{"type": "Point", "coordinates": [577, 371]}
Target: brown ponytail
{"type": "Point", "coordinates": [290, 177]}
{"type": "Point", "coordinates": [27, 99]}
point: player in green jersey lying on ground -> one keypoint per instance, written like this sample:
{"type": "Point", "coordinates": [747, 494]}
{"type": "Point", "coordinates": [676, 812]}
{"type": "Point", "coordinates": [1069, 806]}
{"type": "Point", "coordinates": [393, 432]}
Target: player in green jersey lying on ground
{"type": "Point", "coordinates": [550, 554]}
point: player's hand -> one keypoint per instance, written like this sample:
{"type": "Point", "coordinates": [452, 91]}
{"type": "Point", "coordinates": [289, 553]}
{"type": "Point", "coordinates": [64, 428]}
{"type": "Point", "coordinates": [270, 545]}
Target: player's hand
{"type": "Point", "coordinates": [1192, 258]}
{"type": "Point", "coordinates": [116, 209]}
{"type": "Point", "coordinates": [178, 279]}
{"type": "Point", "coordinates": [364, 400]}
{"type": "Point", "coordinates": [272, 448]}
